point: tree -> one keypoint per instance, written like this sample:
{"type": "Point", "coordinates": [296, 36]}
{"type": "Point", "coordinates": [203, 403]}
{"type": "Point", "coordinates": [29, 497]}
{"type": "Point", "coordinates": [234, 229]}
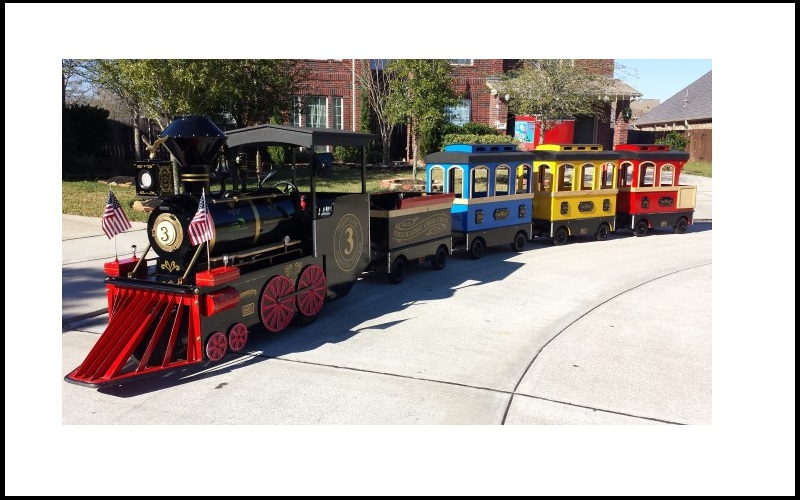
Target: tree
{"type": "Point", "coordinates": [125, 79]}
{"type": "Point", "coordinates": [250, 90]}
{"type": "Point", "coordinates": [420, 90]}
{"type": "Point", "coordinates": [375, 90]}
{"type": "Point", "coordinates": [75, 80]}
{"type": "Point", "coordinates": [553, 89]}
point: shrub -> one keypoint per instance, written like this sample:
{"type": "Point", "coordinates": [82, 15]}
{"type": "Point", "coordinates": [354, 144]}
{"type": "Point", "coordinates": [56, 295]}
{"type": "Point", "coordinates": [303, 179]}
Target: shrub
{"type": "Point", "coordinates": [344, 154]}
{"type": "Point", "coordinates": [477, 139]}
{"type": "Point", "coordinates": [675, 140]}
{"type": "Point", "coordinates": [278, 154]}
{"type": "Point", "coordinates": [478, 129]}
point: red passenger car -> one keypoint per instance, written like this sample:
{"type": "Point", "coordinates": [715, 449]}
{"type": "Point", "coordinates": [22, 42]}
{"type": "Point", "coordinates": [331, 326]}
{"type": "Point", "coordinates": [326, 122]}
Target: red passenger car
{"type": "Point", "coordinates": [650, 195]}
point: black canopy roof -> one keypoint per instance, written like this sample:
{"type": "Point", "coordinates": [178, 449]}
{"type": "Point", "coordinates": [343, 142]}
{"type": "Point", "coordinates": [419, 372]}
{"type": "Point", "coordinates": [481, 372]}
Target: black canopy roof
{"type": "Point", "coordinates": [297, 136]}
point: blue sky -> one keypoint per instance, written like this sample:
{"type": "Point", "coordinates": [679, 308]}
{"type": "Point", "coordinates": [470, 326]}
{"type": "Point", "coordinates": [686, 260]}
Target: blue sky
{"type": "Point", "coordinates": [661, 78]}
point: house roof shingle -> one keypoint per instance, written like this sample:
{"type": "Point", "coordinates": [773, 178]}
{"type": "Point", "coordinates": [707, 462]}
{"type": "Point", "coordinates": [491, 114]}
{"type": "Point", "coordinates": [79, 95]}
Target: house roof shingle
{"type": "Point", "coordinates": [691, 103]}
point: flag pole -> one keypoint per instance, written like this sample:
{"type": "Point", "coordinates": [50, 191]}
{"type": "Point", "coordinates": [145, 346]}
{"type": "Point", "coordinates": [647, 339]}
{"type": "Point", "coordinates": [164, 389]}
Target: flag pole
{"type": "Point", "coordinates": [208, 244]}
{"type": "Point", "coordinates": [116, 258]}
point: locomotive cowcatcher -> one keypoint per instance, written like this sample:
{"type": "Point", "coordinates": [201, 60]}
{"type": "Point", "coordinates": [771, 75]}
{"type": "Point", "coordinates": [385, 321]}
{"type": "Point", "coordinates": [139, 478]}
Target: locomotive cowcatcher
{"type": "Point", "coordinates": [278, 255]}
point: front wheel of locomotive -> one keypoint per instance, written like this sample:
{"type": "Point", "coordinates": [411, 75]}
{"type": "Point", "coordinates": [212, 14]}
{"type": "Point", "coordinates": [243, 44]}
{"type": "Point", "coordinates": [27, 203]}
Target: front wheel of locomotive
{"type": "Point", "coordinates": [312, 287]}
{"type": "Point", "coordinates": [276, 307]}
{"type": "Point", "coordinates": [237, 337]}
{"type": "Point", "coordinates": [216, 346]}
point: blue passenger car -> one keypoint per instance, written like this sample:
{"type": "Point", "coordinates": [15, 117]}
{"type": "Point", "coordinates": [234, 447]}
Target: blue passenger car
{"type": "Point", "coordinates": [493, 193]}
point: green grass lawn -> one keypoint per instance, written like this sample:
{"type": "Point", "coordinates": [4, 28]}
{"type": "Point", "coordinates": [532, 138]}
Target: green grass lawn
{"type": "Point", "coordinates": [698, 168]}
{"type": "Point", "coordinates": [88, 198]}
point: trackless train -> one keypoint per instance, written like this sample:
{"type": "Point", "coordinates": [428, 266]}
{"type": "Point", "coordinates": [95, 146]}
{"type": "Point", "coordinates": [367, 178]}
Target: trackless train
{"type": "Point", "coordinates": [278, 255]}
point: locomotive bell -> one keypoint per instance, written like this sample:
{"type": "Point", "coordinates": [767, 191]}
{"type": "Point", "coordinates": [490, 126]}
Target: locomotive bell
{"type": "Point", "coordinates": [195, 142]}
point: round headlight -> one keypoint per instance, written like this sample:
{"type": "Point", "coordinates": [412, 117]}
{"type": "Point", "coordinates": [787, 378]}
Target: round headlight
{"type": "Point", "coordinates": [145, 180]}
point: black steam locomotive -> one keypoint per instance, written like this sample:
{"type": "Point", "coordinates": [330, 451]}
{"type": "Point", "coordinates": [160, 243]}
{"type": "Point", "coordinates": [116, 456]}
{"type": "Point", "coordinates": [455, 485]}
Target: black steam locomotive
{"type": "Point", "coordinates": [276, 257]}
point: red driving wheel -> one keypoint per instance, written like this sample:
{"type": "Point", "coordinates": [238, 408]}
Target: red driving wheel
{"type": "Point", "coordinates": [237, 337]}
{"type": "Point", "coordinates": [311, 287]}
{"type": "Point", "coordinates": [276, 308]}
{"type": "Point", "coordinates": [216, 346]}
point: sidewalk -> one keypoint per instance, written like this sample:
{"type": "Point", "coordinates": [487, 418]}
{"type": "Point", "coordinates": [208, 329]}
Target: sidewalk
{"type": "Point", "coordinates": [84, 250]}
{"type": "Point", "coordinates": [702, 212]}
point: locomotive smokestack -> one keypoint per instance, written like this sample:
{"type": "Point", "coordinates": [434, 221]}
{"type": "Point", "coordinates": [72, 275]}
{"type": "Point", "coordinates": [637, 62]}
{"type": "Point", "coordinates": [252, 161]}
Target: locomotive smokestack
{"type": "Point", "coordinates": [195, 142]}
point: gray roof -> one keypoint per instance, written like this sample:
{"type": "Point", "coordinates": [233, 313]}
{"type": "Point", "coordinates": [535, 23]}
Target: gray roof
{"type": "Point", "coordinates": [297, 136]}
{"type": "Point", "coordinates": [621, 90]}
{"type": "Point", "coordinates": [691, 103]}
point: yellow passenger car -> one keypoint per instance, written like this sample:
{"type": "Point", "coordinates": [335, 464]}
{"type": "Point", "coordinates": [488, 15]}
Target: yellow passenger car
{"type": "Point", "coordinates": [575, 191]}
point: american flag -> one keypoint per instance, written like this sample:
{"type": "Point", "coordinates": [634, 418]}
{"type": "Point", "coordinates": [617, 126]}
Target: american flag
{"type": "Point", "coordinates": [202, 226]}
{"type": "Point", "coordinates": [114, 219]}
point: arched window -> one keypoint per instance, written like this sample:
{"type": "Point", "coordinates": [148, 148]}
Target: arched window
{"type": "Point", "coordinates": [455, 181]}
{"type": "Point", "coordinates": [647, 172]}
{"type": "Point", "coordinates": [480, 182]}
{"type": "Point", "coordinates": [565, 173]}
{"type": "Point", "coordinates": [523, 175]}
{"type": "Point", "coordinates": [607, 176]}
{"type": "Point", "coordinates": [587, 177]}
{"type": "Point", "coordinates": [545, 178]}
{"type": "Point", "coordinates": [625, 174]}
{"type": "Point", "coordinates": [666, 175]}
{"type": "Point", "coordinates": [501, 180]}
{"type": "Point", "coordinates": [436, 175]}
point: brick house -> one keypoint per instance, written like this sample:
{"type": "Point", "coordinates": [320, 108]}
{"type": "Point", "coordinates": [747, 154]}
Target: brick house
{"type": "Point", "coordinates": [331, 97]}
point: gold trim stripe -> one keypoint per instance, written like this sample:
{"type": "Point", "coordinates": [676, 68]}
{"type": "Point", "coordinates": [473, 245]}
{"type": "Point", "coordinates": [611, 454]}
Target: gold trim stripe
{"type": "Point", "coordinates": [257, 220]}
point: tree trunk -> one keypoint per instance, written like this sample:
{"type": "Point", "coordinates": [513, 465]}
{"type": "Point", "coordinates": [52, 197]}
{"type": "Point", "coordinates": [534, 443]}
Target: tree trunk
{"type": "Point", "coordinates": [137, 135]}
{"type": "Point", "coordinates": [408, 140]}
{"type": "Point", "coordinates": [414, 148]}
{"type": "Point", "coordinates": [386, 142]}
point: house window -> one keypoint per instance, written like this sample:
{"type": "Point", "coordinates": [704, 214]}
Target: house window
{"type": "Point", "coordinates": [317, 112]}
{"type": "Point", "coordinates": [460, 113]}
{"type": "Point", "coordinates": [461, 62]}
{"type": "Point", "coordinates": [338, 123]}
{"type": "Point", "coordinates": [297, 115]}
